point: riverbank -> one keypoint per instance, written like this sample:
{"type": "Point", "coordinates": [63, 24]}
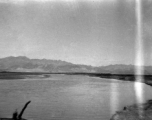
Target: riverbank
{"type": "Point", "coordinates": [135, 112]}
{"type": "Point", "coordinates": [24, 75]}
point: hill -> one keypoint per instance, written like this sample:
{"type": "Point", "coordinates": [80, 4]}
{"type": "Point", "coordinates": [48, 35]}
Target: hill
{"type": "Point", "coordinates": [24, 64]}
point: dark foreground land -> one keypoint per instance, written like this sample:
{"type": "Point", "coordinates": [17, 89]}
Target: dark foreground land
{"type": "Point", "coordinates": [135, 112]}
{"type": "Point", "coordinates": [23, 75]}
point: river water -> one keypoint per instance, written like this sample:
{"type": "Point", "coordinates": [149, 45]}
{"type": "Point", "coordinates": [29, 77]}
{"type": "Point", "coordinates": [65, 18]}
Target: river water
{"type": "Point", "coordinates": [63, 97]}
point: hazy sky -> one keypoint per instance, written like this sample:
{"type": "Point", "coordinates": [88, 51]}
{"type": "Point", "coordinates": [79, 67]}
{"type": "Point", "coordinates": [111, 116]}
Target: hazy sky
{"type": "Point", "coordinates": [93, 32]}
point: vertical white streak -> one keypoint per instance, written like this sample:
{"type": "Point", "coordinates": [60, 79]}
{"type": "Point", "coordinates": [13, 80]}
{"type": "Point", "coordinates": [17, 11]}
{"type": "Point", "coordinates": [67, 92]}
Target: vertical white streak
{"type": "Point", "coordinates": [139, 60]}
{"type": "Point", "coordinates": [114, 97]}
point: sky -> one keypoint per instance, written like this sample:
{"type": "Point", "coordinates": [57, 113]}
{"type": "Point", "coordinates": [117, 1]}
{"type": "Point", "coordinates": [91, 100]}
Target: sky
{"type": "Point", "coordinates": [91, 32]}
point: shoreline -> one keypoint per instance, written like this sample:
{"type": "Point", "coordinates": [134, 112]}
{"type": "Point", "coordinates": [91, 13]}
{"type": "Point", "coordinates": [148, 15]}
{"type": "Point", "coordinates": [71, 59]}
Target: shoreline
{"type": "Point", "coordinates": [23, 75]}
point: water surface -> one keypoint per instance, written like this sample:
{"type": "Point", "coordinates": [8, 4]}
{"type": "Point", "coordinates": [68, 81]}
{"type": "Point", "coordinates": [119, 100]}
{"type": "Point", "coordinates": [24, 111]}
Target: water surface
{"type": "Point", "coordinates": [64, 97]}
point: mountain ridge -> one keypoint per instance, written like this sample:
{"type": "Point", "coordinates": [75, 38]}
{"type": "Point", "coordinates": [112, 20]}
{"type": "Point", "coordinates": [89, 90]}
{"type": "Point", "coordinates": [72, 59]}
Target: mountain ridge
{"type": "Point", "coordinates": [25, 64]}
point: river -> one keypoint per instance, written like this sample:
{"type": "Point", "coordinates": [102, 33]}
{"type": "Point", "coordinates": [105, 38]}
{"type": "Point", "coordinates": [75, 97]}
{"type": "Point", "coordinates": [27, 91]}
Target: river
{"type": "Point", "coordinates": [63, 97]}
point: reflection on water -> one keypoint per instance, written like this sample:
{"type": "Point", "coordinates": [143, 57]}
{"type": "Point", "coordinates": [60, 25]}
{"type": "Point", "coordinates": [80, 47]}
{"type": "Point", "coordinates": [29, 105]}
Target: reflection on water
{"type": "Point", "coordinates": [114, 96]}
{"type": "Point", "coordinates": [67, 97]}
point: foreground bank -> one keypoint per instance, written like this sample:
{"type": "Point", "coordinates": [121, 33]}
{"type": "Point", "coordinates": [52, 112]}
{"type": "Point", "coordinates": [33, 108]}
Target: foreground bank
{"type": "Point", "coordinates": [135, 112]}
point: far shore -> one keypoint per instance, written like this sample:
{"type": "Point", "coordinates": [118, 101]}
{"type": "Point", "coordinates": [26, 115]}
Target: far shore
{"type": "Point", "coordinates": [23, 75]}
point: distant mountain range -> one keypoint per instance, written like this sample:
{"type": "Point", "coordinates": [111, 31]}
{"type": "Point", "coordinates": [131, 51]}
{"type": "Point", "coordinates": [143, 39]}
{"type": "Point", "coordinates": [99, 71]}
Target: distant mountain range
{"type": "Point", "coordinates": [24, 64]}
